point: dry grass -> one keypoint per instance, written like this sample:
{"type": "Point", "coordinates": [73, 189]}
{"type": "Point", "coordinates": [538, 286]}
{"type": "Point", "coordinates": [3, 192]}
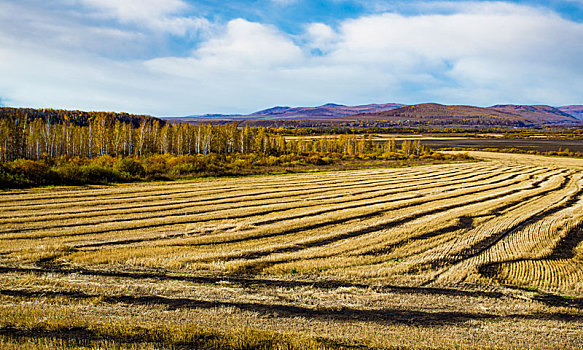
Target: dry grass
{"type": "Point", "coordinates": [476, 255]}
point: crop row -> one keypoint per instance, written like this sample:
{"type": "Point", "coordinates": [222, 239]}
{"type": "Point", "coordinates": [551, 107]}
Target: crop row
{"type": "Point", "coordinates": [436, 225]}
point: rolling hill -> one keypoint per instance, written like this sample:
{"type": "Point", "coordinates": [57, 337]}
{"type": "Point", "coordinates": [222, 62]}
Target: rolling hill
{"type": "Point", "coordinates": [434, 113]}
{"type": "Point", "coordinates": [327, 111]}
{"type": "Point", "coordinates": [509, 115]}
{"type": "Point", "coordinates": [395, 113]}
{"type": "Point", "coordinates": [537, 113]}
{"type": "Point", "coordinates": [574, 110]}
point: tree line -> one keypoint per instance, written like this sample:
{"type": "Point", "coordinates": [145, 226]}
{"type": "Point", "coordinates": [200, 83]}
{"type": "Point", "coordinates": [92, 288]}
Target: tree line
{"type": "Point", "coordinates": [26, 135]}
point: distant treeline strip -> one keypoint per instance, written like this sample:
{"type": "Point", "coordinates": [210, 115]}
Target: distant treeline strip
{"type": "Point", "coordinates": [559, 153]}
{"type": "Point", "coordinates": [41, 134]}
{"type": "Point", "coordinates": [55, 148]}
{"type": "Point", "coordinates": [76, 117]}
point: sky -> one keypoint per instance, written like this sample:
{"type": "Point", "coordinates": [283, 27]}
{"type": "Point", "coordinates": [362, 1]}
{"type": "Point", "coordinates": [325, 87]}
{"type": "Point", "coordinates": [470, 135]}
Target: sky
{"type": "Point", "coordinates": [188, 57]}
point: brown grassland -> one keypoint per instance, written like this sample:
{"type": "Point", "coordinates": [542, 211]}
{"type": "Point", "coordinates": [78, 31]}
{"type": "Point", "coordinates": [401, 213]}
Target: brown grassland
{"type": "Point", "coordinates": [480, 255]}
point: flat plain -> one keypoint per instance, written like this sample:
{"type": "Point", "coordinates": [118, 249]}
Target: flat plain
{"type": "Point", "coordinates": [485, 254]}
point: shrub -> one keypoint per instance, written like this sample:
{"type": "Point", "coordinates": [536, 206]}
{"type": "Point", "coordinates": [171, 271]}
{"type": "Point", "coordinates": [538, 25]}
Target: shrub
{"type": "Point", "coordinates": [272, 160]}
{"type": "Point", "coordinates": [155, 165]}
{"type": "Point", "coordinates": [105, 161]}
{"type": "Point", "coordinates": [316, 160]}
{"type": "Point", "coordinates": [129, 166]}
{"type": "Point", "coordinates": [8, 180]}
{"type": "Point", "coordinates": [95, 173]}
{"type": "Point", "coordinates": [32, 172]}
{"type": "Point", "coordinates": [182, 169]}
{"type": "Point", "coordinates": [86, 174]}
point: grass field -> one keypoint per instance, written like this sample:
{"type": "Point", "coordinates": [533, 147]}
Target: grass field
{"type": "Point", "coordinates": [540, 144]}
{"type": "Point", "coordinates": [475, 255]}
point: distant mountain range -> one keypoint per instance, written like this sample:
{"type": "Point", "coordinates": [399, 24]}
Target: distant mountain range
{"type": "Point", "coordinates": [433, 113]}
{"type": "Point", "coordinates": [426, 113]}
{"type": "Point", "coordinates": [575, 110]}
{"type": "Point", "coordinates": [327, 111]}
{"type": "Point", "coordinates": [537, 113]}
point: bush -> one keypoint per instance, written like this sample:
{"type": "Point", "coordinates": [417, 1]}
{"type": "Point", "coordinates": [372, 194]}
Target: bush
{"type": "Point", "coordinates": [316, 160]}
{"type": "Point", "coordinates": [240, 163]}
{"type": "Point", "coordinates": [155, 165]}
{"type": "Point", "coordinates": [8, 180]}
{"type": "Point", "coordinates": [183, 169]}
{"type": "Point", "coordinates": [272, 161]}
{"type": "Point", "coordinates": [34, 172]}
{"type": "Point", "coordinates": [86, 174]}
{"type": "Point", "coordinates": [105, 161]}
{"type": "Point", "coordinates": [328, 160]}
{"type": "Point", "coordinates": [129, 166]}
{"type": "Point", "coordinates": [95, 173]}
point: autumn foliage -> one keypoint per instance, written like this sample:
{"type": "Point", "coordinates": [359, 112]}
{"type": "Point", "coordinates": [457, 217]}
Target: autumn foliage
{"type": "Point", "coordinates": [41, 149]}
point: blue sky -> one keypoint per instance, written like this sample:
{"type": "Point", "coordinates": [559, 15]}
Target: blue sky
{"type": "Point", "coordinates": [183, 57]}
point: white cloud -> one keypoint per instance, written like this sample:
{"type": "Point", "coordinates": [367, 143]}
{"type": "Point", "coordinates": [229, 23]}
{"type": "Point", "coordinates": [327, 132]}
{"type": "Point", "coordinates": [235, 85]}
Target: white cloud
{"type": "Point", "coordinates": [134, 10]}
{"type": "Point", "coordinates": [320, 36]}
{"type": "Point", "coordinates": [159, 15]}
{"type": "Point", "coordinates": [512, 52]}
{"type": "Point", "coordinates": [40, 27]}
{"type": "Point", "coordinates": [251, 44]}
{"type": "Point", "coordinates": [480, 53]}
{"type": "Point", "coordinates": [244, 46]}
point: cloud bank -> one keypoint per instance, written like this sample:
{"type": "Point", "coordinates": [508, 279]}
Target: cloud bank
{"type": "Point", "coordinates": [474, 53]}
{"type": "Point", "coordinates": [157, 15]}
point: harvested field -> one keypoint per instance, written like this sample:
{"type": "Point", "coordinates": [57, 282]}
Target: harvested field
{"type": "Point", "coordinates": [540, 145]}
{"type": "Point", "coordinates": [479, 143]}
{"type": "Point", "coordinates": [474, 255]}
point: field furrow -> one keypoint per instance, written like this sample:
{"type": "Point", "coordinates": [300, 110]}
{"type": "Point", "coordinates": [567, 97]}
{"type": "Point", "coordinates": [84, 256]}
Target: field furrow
{"type": "Point", "coordinates": [441, 224]}
{"type": "Point", "coordinates": [192, 207]}
{"type": "Point", "coordinates": [479, 254]}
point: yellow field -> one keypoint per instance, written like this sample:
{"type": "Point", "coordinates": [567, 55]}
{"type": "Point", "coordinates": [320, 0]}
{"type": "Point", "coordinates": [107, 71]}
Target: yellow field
{"type": "Point", "coordinates": [475, 255]}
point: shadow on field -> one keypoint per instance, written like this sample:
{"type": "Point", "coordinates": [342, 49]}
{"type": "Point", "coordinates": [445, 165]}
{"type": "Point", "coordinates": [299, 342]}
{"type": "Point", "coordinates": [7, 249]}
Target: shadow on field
{"type": "Point", "coordinates": [251, 282]}
{"type": "Point", "coordinates": [556, 300]}
{"type": "Point", "coordinates": [78, 335]}
{"type": "Point", "coordinates": [388, 315]}
{"type": "Point", "coordinates": [565, 249]}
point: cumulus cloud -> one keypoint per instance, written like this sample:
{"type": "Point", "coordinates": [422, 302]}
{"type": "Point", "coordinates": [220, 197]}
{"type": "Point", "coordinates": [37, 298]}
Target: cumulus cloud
{"type": "Point", "coordinates": [320, 36]}
{"type": "Point", "coordinates": [52, 28]}
{"type": "Point", "coordinates": [243, 47]}
{"type": "Point", "coordinates": [159, 15]}
{"type": "Point", "coordinates": [484, 54]}
{"type": "Point", "coordinates": [476, 53]}
{"type": "Point", "coordinates": [496, 56]}
{"type": "Point", "coordinates": [250, 44]}
{"type": "Point", "coordinates": [131, 10]}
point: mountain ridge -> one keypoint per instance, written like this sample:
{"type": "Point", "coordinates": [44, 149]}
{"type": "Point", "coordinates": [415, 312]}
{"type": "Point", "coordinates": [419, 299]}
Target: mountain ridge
{"type": "Point", "coordinates": [328, 110]}
{"type": "Point", "coordinates": [508, 115]}
{"type": "Point", "coordinates": [435, 113]}
{"type": "Point", "coordinates": [574, 110]}
{"type": "Point", "coordinates": [536, 112]}
{"type": "Point", "coordinates": [432, 113]}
